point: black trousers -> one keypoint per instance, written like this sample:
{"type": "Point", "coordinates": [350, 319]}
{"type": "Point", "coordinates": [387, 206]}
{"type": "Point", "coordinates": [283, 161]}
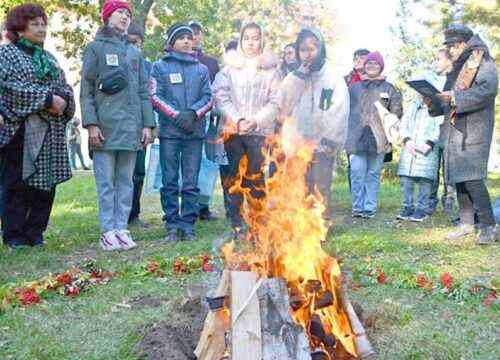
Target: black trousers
{"type": "Point", "coordinates": [250, 147]}
{"type": "Point", "coordinates": [474, 195]}
{"type": "Point", "coordinates": [138, 179]}
{"type": "Point", "coordinates": [25, 209]}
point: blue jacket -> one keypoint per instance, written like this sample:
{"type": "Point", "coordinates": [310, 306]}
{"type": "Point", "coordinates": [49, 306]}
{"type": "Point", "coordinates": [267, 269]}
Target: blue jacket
{"type": "Point", "coordinates": [417, 125]}
{"type": "Point", "coordinates": [178, 83]}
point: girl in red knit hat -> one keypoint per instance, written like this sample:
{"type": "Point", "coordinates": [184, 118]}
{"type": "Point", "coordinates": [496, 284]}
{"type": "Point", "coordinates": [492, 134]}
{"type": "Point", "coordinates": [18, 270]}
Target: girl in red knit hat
{"type": "Point", "coordinates": [118, 115]}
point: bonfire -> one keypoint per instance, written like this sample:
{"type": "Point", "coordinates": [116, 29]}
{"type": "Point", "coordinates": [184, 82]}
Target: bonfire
{"type": "Point", "coordinates": [284, 243]}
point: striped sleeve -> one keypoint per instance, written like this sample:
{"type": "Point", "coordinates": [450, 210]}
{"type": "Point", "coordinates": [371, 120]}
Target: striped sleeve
{"type": "Point", "coordinates": [158, 99]}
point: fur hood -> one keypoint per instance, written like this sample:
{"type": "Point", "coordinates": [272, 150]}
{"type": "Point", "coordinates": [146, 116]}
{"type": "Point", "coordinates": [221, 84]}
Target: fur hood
{"type": "Point", "coordinates": [263, 61]}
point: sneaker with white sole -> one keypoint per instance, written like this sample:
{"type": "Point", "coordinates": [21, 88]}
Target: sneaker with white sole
{"type": "Point", "coordinates": [109, 242]}
{"type": "Point", "coordinates": [125, 240]}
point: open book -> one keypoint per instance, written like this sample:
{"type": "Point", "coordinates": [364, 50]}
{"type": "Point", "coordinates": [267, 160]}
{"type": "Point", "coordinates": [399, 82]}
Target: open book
{"type": "Point", "coordinates": [424, 87]}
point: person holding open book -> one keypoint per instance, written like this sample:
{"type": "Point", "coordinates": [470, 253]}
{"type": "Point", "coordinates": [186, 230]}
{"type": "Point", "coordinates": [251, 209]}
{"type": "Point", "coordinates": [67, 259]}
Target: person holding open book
{"type": "Point", "coordinates": [468, 103]}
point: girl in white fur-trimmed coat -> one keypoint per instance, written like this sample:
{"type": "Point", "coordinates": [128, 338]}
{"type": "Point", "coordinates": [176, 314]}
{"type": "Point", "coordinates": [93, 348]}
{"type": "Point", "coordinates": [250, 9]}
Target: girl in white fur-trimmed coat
{"type": "Point", "coordinates": [245, 93]}
{"type": "Point", "coordinates": [314, 103]}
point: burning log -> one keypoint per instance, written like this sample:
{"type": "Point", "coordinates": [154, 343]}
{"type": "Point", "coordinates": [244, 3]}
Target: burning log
{"type": "Point", "coordinates": [324, 301]}
{"type": "Point", "coordinates": [282, 338]}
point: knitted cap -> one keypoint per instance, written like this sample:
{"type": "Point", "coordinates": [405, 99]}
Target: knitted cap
{"type": "Point", "coordinates": [377, 57]}
{"type": "Point", "coordinates": [176, 30]}
{"type": "Point", "coordinates": [110, 6]}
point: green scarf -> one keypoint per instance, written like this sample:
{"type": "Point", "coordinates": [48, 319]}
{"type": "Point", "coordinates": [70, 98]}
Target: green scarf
{"type": "Point", "coordinates": [44, 68]}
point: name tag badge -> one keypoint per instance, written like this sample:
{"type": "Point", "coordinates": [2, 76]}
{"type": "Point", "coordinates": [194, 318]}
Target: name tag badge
{"type": "Point", "coordinates": [384, 95]}
{"type": "Point", "coordinates": [176, 78]}
{"type": "Point", "coordinates": [112, 60]}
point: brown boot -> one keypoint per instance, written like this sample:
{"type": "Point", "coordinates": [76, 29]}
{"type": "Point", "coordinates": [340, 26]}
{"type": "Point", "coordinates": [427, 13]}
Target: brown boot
{"type": "Point", "coordinates": [488, 235]}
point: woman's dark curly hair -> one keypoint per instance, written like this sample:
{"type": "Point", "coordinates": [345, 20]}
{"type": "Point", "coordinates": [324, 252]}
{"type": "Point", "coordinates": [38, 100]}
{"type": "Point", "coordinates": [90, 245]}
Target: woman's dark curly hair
{"type": "Point", "coordinates": [17, 18]}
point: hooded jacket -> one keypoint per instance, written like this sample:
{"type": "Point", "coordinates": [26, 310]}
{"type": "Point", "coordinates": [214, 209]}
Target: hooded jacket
{"type": "Point", "coordinates": [315, 107]}
{"type": "Point", "coordinates": [466, 145]}
{"type": "Point", "coordinates": [121, 116]}
{"type": "Point", "coordinates": [419, 127]}
{"type": "Point", "coordinates": [179, 83]}
{"type": "Point", "coordinates": [247, 88]}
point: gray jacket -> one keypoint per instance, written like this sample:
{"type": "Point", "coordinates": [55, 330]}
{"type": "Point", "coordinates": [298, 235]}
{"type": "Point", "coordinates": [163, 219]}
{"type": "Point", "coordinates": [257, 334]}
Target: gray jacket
{"type": "Point", "coordinates": [121, 116]}
{"type": "Point", "coordinates": [466, 145]}
{"type": "Point", "coordinates": [365, 131]}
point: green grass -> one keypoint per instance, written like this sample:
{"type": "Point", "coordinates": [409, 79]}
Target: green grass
{"type": "Point", "coordinates": [409, 323]}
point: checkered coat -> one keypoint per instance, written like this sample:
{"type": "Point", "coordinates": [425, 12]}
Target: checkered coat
{"type": "Point", "coordinates": [24, 99]}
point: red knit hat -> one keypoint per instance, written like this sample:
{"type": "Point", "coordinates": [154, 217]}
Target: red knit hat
{"type": "Point", "coordinates": [377, 57]}
{"type": "Point", "coordinates": [111, 5]}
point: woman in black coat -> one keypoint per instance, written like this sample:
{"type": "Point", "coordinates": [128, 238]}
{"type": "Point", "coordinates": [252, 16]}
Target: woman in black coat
{"type": "Point", "coordinates": [37, 103]}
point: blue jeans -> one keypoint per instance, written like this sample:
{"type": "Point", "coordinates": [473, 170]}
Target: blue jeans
{"type": "Point", "coordinates": [183, 154]}
{"type": "Point", "coordinates": [113, 171]}
{"type": "Point", "coordinates": [423, 197]}
{"type": "Point", "coordinates": [365, 174]}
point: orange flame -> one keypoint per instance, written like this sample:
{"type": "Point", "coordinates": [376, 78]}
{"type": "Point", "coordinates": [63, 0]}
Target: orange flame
{"type": "Point", "coordinates": [284, 240]}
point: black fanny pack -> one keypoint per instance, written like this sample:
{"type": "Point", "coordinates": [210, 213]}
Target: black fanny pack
{"type": "Point", "coordinates": [117, 79]}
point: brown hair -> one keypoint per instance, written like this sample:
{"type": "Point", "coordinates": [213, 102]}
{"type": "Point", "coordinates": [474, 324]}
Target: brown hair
{"type": "Point", "coordinates": [446, 52]}
{"type": "Point", "coordinates": [17, 19]}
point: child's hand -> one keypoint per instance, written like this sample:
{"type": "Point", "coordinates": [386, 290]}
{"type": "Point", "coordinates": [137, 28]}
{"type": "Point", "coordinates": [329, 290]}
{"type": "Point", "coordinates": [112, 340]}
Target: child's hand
{"type": "Point", "coordinates": [411, 147]}
{"type": "Point", "coordinates": [246, 126]}
{"type": "Point", "coordinates": [185, 120]}
{"type": "Point", "coordinates": [304, 68]}
{"type": "Point", "coordinates": [424, 149]}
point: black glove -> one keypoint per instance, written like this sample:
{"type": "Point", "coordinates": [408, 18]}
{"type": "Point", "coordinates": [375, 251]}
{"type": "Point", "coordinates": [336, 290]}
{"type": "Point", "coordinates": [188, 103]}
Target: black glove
{"type": "Point", "coordinates": [185, 120]}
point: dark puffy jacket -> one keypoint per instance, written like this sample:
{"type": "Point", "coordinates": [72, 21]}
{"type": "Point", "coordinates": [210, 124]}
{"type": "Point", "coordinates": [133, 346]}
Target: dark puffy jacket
{"type": "Point", "coordinates": [365, 132]}
{"type": "Point", "coordinates": [179, 83]}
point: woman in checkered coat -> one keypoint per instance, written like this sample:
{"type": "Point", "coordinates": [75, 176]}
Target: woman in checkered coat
{"type": "Point", "coordinates": [37, 104]}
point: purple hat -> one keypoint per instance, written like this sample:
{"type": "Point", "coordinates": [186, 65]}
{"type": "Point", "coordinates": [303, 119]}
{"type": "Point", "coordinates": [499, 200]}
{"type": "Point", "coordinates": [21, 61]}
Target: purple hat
{"type": "Point", "coordinates": [377, 57]}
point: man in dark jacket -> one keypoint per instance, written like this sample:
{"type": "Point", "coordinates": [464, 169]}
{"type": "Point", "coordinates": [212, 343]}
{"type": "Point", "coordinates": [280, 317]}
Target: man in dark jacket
{"type": "Point", "coordinates": [136, 38]}
{"type": "Point", "coordinates": [213, 68]}
{"type": "Point", "coordinates": [468, 103]}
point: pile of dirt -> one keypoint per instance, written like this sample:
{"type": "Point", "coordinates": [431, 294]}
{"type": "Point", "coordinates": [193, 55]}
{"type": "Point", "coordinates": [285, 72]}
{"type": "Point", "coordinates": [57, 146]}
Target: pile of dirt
{"type": "Point", "coordinates": [177, 341]}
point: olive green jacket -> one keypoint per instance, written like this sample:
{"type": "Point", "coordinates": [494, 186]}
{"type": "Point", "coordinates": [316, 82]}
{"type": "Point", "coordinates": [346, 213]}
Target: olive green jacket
{"type": "Point", "coordinates": [121, 116]}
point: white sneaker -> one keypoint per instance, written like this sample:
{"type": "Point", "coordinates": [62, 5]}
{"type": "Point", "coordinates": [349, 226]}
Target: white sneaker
{"type": "Point", "coordinates": [125, 240]}
{"type": "Point", "coordinates": [109, 242]}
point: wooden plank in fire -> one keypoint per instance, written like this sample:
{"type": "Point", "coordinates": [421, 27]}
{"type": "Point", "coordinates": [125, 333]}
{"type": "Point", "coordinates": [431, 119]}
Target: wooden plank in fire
{"type": "Point", "coordinates": [245, 317]}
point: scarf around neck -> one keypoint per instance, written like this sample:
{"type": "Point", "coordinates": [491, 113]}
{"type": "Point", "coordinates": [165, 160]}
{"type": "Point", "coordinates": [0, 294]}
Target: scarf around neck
{"type": "Point", "coordinates": [45, 69]}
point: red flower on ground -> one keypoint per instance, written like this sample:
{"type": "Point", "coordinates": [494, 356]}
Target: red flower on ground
{"type": "Point", "coordinates": [177, 266]}
{"type": "Point", "coordinates": [475, 290]}
{"type": "Point", "coordinates": [206, 258]}
{"type": "Point", "coordinates": [152, 267]}
{"type": "Point", "coordinates": [490, 299]}
{"type": "Point", "coordinates": [72, 291]}
{"type": "Point", "coordinates": [381, 278]}
{"type": "Point", "coordinates": [101, 274]}
{"type": "Point", "coordinates": [28, 296]}
{"type": "Point", "coordinates": [207, 267]}
{"type": "Point", "coordinates": [356, 284]}
{"type": "Point", "coordinates": [421, 280]}
{"type": "Point", "coordinates": [447, 280]}
{"type": "Point", "coordinates": [64, 278]}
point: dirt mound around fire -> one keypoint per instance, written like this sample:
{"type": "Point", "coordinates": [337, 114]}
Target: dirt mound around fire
{"type": "Point", "coordinates": [175, 339]}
